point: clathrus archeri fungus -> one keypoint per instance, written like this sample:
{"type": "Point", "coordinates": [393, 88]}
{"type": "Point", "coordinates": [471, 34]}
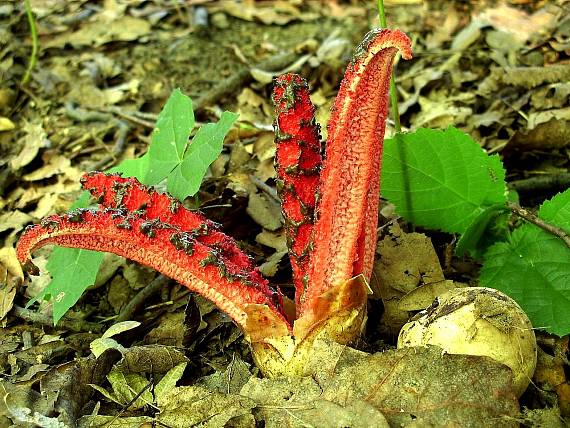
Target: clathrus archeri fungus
{"type": "Point", "coordinates": [330, 208]}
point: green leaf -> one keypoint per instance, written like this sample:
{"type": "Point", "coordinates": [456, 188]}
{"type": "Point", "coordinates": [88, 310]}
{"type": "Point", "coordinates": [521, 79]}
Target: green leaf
{"type": "Point", "coordinates": [487, 228]}
{"type": "Point", "coordinates": [533, 267]}
{"type": "Point", "coordinates": [206, 146]}
{"type": "Point", "coordinates": [170, 137]}
{"type": "Point", "coordinates": [72, 271]}
{"type": "Point", "coordinates": [441, 179]}
{"type": "Point", "coordinates": [169, 156]}
{"type": "Point", "coordinates": [125, 388]}
{"type": "Point", "coordinates": [137, 168]}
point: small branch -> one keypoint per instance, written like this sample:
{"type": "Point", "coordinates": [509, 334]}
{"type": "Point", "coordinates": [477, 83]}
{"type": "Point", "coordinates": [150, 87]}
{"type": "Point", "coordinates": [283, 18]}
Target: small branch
{"type": "Point", "coordinates": [532, 218]}
{"type": "Point", "coordinates": [241, 78]}
{"type": "Point", "coordinates": [35, 44]}
{"type": "Point", "coordinates": [541, 182]}
{"type": "Point", "coordinates": [140, 118]}
{"type": "Point", "coordinates": [65, 323]}
{"type": "Point", "coordinates": [142, 297]}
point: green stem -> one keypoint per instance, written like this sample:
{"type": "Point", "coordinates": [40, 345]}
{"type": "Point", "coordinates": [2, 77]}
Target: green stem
{"type": "Point", "coordinates": [35, 44]}
{"type": "Point", "coordinates": [393, 93]}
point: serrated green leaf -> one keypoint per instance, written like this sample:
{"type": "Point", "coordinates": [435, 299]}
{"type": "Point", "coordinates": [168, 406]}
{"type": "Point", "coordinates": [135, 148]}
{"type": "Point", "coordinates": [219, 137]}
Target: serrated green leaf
{"type": "Point", "coordinates": [170, 137]}
{"type": "Point", "coordinates": [440, 179]}
{"type": "Point", "coordinates": [484, 230]}
{"type": "Point", "coordinates": [206, 146]}
{"type": "Point", "coordinates": [533, 267]}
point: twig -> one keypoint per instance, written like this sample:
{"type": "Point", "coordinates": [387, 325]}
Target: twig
{"type": "Point", "coordinates": [64, 323]}
{"type": "Point", "coordinates": [140, 118]}
{"type": "Point", "coordinates": [541, 182]}
{"type": "Point", "coordinates": [142, 296]}
{"type": "Point", "coordinates": [83, 115]}
{"type": "Point", "coordinates": [270, 191]}
{"type": "Point", "coordinates": [80, 114]}
{"type": "Point", "coordinates": [34, 33]}
{"type": "Point", "coordinates": [118, 148]}
{"type": "Point", "coordinates": [532, 218]}
{"type": "Point", "coordinates": [232, 83]}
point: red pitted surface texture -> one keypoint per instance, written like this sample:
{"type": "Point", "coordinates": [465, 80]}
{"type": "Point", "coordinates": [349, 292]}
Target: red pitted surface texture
{"type": "Point", "coordinates": [347, 214]}
{"type": "Point", "coordinates": [164, 247]}
{"type": "Point", "coordinates": [114, 191]}
{"type": "Point", "coordinates": [298, 165]}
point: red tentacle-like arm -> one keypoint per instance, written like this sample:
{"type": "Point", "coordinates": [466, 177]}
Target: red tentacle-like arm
{"type": "Point", "coordinates": [211, 269]}
{"type": "Point", "coordinates": [114, 191]}
{"type": "Point", "coordinates": [298, 166]}
{"type": "Point", "coordinates": [347, 213]}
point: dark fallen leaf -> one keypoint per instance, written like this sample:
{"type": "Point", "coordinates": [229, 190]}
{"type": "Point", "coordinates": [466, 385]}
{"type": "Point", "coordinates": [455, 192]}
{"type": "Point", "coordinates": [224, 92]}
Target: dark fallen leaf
{"type": "Point", "coordinates": [420, 385]}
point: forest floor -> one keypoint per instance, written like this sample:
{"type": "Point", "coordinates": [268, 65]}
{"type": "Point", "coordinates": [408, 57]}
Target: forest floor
{"type": "Point", "coordinates": [105, 69]}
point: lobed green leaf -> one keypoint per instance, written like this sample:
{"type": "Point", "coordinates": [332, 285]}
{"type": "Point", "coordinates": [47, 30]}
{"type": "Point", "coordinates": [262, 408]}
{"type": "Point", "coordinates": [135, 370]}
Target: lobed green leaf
{"type": "Point", "coordinates": [169, 156]}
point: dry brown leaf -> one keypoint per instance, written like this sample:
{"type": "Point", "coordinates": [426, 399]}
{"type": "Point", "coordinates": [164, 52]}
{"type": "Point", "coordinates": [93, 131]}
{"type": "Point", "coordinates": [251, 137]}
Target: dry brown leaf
{"type": "Point", "coordinates": [90, 96]}
{"type": "Point", "coordinates": [525, 77]}
{"type": "Point", "coordinates": [556, 95]}
{"type": "Point", "coordinates": [231, 380]}
{"type": "Point", "coordinates": [55, 165]}
{"type": "Point", "coordinates": [551, 372]}
{"type": "Point", "coordinates": [274, 12]}
{"type": "Point", "coordinates": [99, 31]}
{"type": "Point", "coordinates": [6, 124]}
{"type": "Point", "coordinates": [33, 140]}
{"type": "Point", "coordinates": [517, 22]}
{"type": "Point", "coordinates": [540, 117]}
{"type": "Point", "coordinates": [297, 402]}
{"type": "Point", "coordinates": [10, 276]}
{"type": "Point", "coordinates": [253, 108]}
{"type": "Point", "coordinates": [10, 262]}
{"type": "Point", "coordinates": [407, 260]}
{"type": "Point", "coordinates": [45, 205]}
{"type": "Point", "coordinates": [423, 386]}
{"type": "Point", "coordinates": [15, 220]}
{"type": "Point", "coordinates": [554, 134]}
{"type": "Point", "coordinates": [188, 406]}
{"type": "Point", "coordinates": [418, 386]}
{"type": "Point", "coordinates": [275, 240]}
{"type": "Point", "coordinates": [423, 296]}
{"type": "Point", "coordinates": [170, 330]}
{"type": "Point", "coordinates": [264, 146]}
{"type": "Point", "coordinates": [265, 211]}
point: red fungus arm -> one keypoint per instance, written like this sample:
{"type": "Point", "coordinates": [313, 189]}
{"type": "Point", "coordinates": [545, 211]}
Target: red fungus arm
{"type": "Point", "coordinates": [298, 166]}
{"type": "Point", "coordinates": [345, 230]}
{"type": "Point", "coordinates": [114, 191]}
{"type": "Point", "coordinates": [171, 251]}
